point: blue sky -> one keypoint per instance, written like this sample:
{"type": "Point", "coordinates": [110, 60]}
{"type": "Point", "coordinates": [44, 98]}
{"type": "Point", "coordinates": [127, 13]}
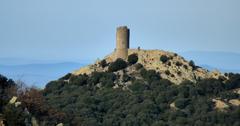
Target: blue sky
{"type": "Point", "coordinates": [85, 29]}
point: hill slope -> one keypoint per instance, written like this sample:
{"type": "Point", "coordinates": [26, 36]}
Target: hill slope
{"type": "Point", "coordinates": [136, 92]}
{"type": "Point", "coordinates": [169, 65]}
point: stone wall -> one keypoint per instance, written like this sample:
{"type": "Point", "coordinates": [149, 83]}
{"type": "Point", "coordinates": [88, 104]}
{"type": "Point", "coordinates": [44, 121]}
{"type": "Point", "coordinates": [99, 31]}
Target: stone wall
{"type": "Point", "coordinates": [122, 42]}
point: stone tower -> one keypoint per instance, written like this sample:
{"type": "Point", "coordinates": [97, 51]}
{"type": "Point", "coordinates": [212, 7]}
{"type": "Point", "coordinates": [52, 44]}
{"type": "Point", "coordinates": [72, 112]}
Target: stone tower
{"type": "Point", "coordinates": [122, 42]}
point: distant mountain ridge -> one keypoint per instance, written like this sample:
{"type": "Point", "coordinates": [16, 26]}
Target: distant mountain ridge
{"type": "Point", "coordinates": [38, 74]}
{"type": "Point", "coordinates": [27, 61]}
{"type": "Point", "coordinates": [223, 61]}
{"type": "Point", "coordinates": [211, 68]}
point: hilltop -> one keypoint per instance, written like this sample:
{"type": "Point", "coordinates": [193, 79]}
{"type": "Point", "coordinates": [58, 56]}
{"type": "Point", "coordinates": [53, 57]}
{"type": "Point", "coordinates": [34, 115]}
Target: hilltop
{"type": "Point", "coordinates": [169, 65]}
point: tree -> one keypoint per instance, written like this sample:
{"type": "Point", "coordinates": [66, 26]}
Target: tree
{"type": "Point", "coordinates": [103, 63]}
{"type": "Point", "coordinates": [164, 58]}
{"type": "Point", "coordinates": [181, 103]}
{"type": "Point", "coordinates": [137, 87]}
{"type": "Point", "coordinates": [132, 59]}
{"type": "Point", "coordinates": [117, 65]}
{"type": "Point", "coordinates": [192, 64]}
{"type": "Point", "coordinates": [15, 116]}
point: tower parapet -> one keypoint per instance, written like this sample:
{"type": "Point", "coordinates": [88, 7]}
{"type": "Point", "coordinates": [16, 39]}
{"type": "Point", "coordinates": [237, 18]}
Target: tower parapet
{"type": "Point", "coordinates": [122, 42]}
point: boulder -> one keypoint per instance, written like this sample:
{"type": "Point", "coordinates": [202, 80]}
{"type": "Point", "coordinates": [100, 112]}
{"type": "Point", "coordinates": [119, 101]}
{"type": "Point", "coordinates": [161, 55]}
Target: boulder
{"type": "Point", "coordinates": [13, 100]}
{"type": "Point", "coordinates": [235, 102]}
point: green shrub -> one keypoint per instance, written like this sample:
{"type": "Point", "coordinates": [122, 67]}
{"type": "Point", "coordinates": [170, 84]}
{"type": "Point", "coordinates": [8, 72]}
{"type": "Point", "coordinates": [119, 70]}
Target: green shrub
{"type": "Point", "coordinates": [185, 66]}
{"type": "Point", "coordinates": [192, 64]}
{"type": "Point", "coordinates": [79, 80]}
{"type": "Point", "coordinates": [132, 59]}
{"type": "Point", "coordinates": [15, 116]}
{"type": "Point", "coordinates": [169, 63]}
{"type": "Point", "coordinates": [179, 73]}
{"type": "Point", "coordinates": [138, 87]}
{"type": "Point", "coordinates": [229, 95]}
{"type": "Point", "coordinates": [164, 58]}
{"type": "Point", "coordinates": [234, 81]}
{"type": "Point", "coordinates": [181, 103]}
{"type": "Point", "coordinates": [117, 65]}
{"type": "Point", "coordinates": [103, 63]}
{"type": "Point", "coordinates": [150, 75]}
{"type": "Point", "coordinates": [178, 63]}
{"type": "Point", "coordinates": [167, 72]}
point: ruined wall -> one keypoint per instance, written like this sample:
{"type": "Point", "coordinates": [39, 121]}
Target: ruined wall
{"type": "Point", "coordinates": [122, 42]}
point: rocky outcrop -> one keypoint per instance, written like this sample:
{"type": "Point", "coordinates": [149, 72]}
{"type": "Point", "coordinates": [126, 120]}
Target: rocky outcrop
{"type": "Point", "coordinates": [175, 68]}
{"type": "Point", "coordinates": [60, 124]}
{"type": "Point", "coordinates": [220, 105]}
{"type": "Point", "coordinates": [234, 102]}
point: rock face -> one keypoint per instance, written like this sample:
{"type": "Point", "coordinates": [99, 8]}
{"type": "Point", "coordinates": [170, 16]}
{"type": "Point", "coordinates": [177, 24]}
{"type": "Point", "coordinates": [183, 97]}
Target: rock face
{"type": "Point", "coordinates": [171, 66]}
{"type": "Point", "coordinates": [235, 102]}
{"type": "Point", "coordinates": [13, 100]}
{"type": "Point", "coordinates": [220, 105]}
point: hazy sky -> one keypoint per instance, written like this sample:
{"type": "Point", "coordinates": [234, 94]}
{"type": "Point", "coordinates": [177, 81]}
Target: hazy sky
{"type": "Point", "coordinates": [85, 29]}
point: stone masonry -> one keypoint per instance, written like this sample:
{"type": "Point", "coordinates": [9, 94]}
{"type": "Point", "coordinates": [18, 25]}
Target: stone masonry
{"type": "Point", "coordinates": [122, 42]}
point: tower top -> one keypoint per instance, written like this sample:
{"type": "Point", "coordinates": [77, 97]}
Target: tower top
{"type": "Point", "coordinates": [122, 27]}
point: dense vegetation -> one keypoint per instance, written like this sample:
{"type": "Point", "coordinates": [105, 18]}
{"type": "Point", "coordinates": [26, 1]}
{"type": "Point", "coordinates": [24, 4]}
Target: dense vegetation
{"type": "Point", "coordinates": [117, 65]}
{"type": "Point", "coordinates": [7, 86]}
{"type": "Point", "coordinates": [91, 101]}
{"type": "Point", "coordinates": [32, 105]}
{"type": "Point", "coordinates": [13, 115]}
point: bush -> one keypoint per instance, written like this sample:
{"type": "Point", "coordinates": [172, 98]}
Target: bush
{"type": "Point", "coordinates": [181, 103]}
{"type": "Point", "coordinates": [79, 80]}
{"type": "Point", "coordinates": [169, 63]}
{"type": "Point", "coordinates": [192, 64]}
{"type": "Point", "coordinates": [210, 86]}
{"type": "Point", "coordinates": [229, 95]}
{"type": "Point", "coordinates": [233, 82]}
{"type": "Point", "coordinates": [15, 116]}
{"type": "Point", "coordinates": [103, 63]}
{"type": "Point", "coordinates": [167, 72]}
{"type": "Point", "coordinates": [117, 65]}
{"type": "Point", "coordinates": [8, 88]}
{"type": "Point", "coordinates": [179, 73]}
{"type": "Point", "coordinates": [178, 63]}
{"type": "Point", "coordinates": [150, 75]}
{"type": "Point", "coordinates": [138, 87]}
{"type": "Point", "coordinates": [132, 59]}
{"type": "Point", "coordinates": [164, 58]}
{"type": "Point", "coordinates": [185, 66]}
